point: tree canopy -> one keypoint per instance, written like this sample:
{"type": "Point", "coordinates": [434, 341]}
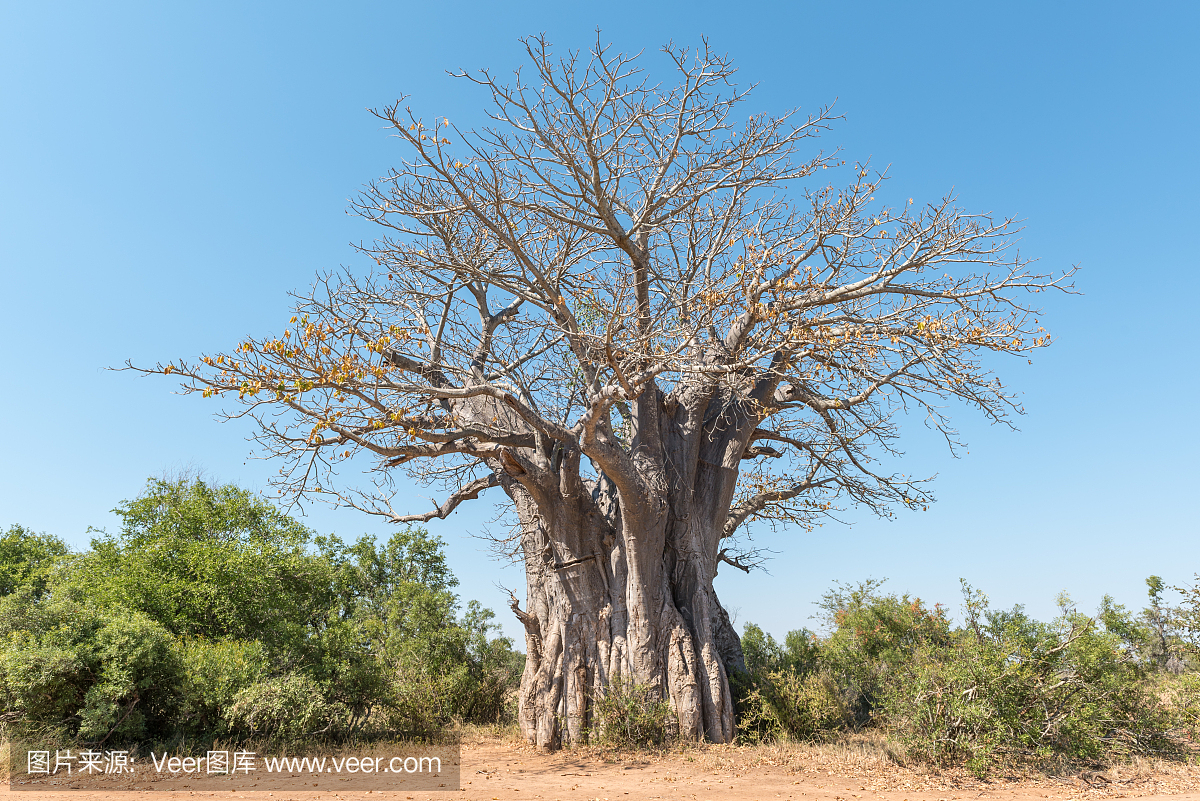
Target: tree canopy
{"type": "Point", "coordinates": [649, 317]}
{"type": "Point", "coordinates": [26, 559]}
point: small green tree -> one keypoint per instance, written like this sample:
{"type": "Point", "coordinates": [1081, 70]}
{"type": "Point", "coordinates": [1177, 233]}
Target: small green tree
{"type": "Point", "coordinates": [873, 636]}
{"type": "Point", "coordinates": [1158, 619]}
{"type": "Point", "coordinates": [786, 691]}
{"type": "Point", "coordinates": [26, 559]}
{"type": "Point", "coordinates": [1188, 618]}
{"type": "Point", "coordinates": [763, 654]}
{"type": "Point", "coordinates": [208, 561]}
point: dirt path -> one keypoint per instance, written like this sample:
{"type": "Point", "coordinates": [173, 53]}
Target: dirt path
{"type": "Point", "coordinates": [500, 771]}
{"type": "Point", "coordinates": [504, 770]}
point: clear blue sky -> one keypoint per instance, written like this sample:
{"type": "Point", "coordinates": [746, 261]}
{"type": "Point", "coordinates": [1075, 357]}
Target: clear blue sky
{"type": "Point", "coordinates": [168, 171]}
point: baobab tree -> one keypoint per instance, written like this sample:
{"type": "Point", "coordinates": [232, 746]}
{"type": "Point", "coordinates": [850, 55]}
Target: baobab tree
{"type": "Point", "coordinates": [647, 320]}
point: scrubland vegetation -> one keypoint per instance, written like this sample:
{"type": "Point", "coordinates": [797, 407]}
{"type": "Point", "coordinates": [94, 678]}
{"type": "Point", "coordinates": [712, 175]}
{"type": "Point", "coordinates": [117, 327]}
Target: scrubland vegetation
{"type": "Point", "coordinates": [1000, 687]}
{"type": "Point", "coordinates": [212, 615]}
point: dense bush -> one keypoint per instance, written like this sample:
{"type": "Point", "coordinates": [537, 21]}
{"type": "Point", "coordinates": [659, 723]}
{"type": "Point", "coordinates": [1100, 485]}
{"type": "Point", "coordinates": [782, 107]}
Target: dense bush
{"type": "Point", "coordinates": [1000, 686]}
{"type": "Point", "coordinates": [288, 707]}
{"type": "Point", "coordinates": [809, 705]}
{"type": "Point", "coordinates": [1007, 684]}
{"type": "Point", "coordinates": [93, 672]}
{"type": "Point", "coordinates": [213, 615]}
{"type": "Point", "coordinates": [875, 636]}
{"type": "Point", "coordinates": [787, 690]}
{"type": "Point", "coordinates": [215, 674]}
{"type": "Point", "coordinates": [26, 559]}
{"type": "Point", "coordinates": [633, 715]}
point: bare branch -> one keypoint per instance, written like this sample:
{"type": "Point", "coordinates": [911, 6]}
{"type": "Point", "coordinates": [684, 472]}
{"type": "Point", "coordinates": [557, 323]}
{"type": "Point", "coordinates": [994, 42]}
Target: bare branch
{"type": "Point", "coordinates": [468, 493]}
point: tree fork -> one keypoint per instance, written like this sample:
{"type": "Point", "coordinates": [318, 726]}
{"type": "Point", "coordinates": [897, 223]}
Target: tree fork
{"type": "Point", "coordinates": [594, 626]}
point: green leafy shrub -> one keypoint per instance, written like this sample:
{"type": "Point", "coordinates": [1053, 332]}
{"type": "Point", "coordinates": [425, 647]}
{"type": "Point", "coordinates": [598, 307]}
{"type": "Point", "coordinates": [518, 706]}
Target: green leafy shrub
{"type": "Point", "coordinates": [630, 715]}
{"type": "Point", "coordinates": [1183, 694]}
{"type": "Point", "coordinates": [493, 666]}
{"type": "Point", "coordinates": [287, 708]}
{"type": "Point", "coordinates": [1018, 687]}
{"type": "Point", "coordinates": [874, 635]}
{"type": "Point", "coordinates": [799, 651]}
{"type": "Point", "coordinates": [95, 673]}
{"type": "Point", "coordinates": [27, 559]}
{"type": "Point", "coordinates": [789, 703]}
{"type": "Point", "coordinates": [1001, 686]}
{"type": "Point", "coordinates": [780, 694]}
{"type": "Point", "coordinates": [138, 673]}
{"type": "Point", "coordinates": [424, 699]}
{"type": "Point", "coordinates": [215, 673]}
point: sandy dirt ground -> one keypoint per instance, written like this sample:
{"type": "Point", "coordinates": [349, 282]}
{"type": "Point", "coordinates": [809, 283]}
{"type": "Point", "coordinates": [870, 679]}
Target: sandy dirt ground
{"type": "Point", "coordinates": [501, 769]}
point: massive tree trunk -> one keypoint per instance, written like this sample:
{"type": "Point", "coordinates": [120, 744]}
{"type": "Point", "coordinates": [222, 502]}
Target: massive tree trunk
{"type": "Point", "coordinates": [593, 620]}
{"type": "Point", "coordinates": [620, 591]}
